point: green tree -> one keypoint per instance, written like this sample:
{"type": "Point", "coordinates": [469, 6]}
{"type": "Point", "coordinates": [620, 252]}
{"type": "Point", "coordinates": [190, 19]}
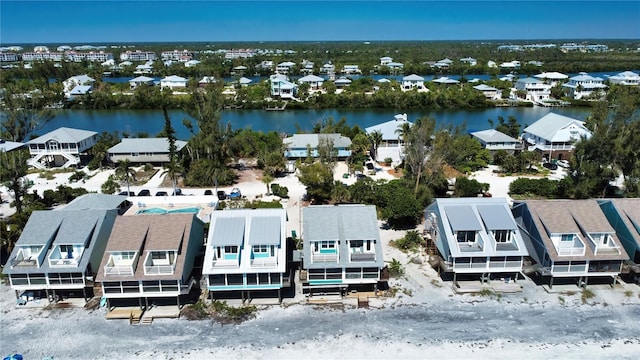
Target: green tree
{"type": "Point", "coordinates": [318, 179]}
{"type": "Point", "coordinates": [125, 171]}
{"type": "Point", "coordinates": [13, 172]}
{"type": "Point", "coordinates": [376, 140]}
{"type": "Point", "coordinates": [110, 186]}
{"type": "Point", "coordinates": [173, 167]}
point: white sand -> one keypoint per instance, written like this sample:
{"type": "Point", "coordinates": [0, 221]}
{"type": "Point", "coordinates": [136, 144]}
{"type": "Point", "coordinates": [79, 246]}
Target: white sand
{"type": "Point", "coordinates": [426, 319]}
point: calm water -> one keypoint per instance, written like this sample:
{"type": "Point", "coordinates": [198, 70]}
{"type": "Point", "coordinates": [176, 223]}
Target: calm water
{"type": "Point", "coordinates": [152, 121]}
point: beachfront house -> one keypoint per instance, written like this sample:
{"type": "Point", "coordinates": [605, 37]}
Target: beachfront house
{"type": "Point", "coordinates": [173, 82]}
{"type": "Point", "coordinates": [246, 254]}
{"type": "Point", "coordinates": [585, 86]}
{"type": "Point", "coordinates": [532, 89]}
{"type": "Point", "coordinates": [342, 249]}
{"type": "Point", "coordinates": [300, 146]}
{"type": "Point", "coordinates": [494, 140]}
{"type": "Point", "coordinates": [143, 150]}
{"type": "Point", "coordinates": [571, 240]}
{"type": "Point", "coordinates": [315, 82]}
{"type": "Point", "coordinates": [140, 81]}
{"type": "Point", "coordinates": [413, 81]}
{"type": "Point", "coordinates": [554, 135]}
{"type": "Point", "coordinates": [392, 145]}
{"type": "Point", "coordinates": [489, 92]}
{"type": "Point", "coordinates": [63, 147]}
{"type": "Point", "coordinates": [59, 251]}
{"type": "Point", "coordinates": [628, 78]}
{"type": "Point", "coordinates": [476, 238]}
{"type": "Point", "coordinates": [624, 217]}
{"type": "Point", "coordinates": [150, 257]}
{"type": "Point", "coordinates": [281, 87]}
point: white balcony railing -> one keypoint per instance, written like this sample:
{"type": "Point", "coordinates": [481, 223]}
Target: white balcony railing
{"type": "Point", "coordinates": [222, 263]}
{"type": "Point", "coordinates": [324, 257]}
{"type": "Point", "coordinates": [118, 270]}
{"type": "Point", "coordinates": [264, 262]}
{"type": "Point", "coordinates": [159, 270]}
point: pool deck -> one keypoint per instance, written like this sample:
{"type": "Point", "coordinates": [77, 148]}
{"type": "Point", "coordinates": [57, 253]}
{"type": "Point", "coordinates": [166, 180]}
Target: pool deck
{"type": "Point", "coordinates": [206, 203]}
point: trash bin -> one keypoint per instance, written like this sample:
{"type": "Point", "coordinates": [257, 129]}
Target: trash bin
{"type": "Point", "coordinates": [293, 234]}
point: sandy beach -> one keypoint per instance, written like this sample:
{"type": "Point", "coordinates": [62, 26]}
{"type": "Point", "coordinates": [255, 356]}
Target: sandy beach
{"type": "Point", "coordinates": [425, 319]}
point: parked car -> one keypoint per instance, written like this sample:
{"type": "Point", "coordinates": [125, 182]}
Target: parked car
{"type": "Point", "coordinates": [371, 169]}
{"type": "Point", "coordinates": [161, 193]}
{"type": "Point", "coordinates": [177, 192]}
{"type": "Point", "coordinates": [208, 192]}
{"type": "Point", "coordinates": [144, 192]}
{"type": "Point", "coordinates": [125, 193]}
{"type": "Point", "coordinates": [563, 163]}
{"type": "Point", "coordinates": [222, 195]}
{"type": "Point", "coordinates": [550, 166]}
{"type": "Point", "coordinates": [235, 194]}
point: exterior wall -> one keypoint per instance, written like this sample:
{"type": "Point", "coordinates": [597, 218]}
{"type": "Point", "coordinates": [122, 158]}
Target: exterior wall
{"type": "Point", "coordinates": [196, 240]}
{"type": "Point", "coordinates": [626, 238]}
{"type": "Point", "coordinates": [140, 157]}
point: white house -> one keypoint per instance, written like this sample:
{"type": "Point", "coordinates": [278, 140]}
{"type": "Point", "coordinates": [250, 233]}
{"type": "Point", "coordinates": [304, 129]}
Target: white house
{"type": "Point", "coordinates": [476, 238]}
{"type": "Point", "coordinates": [489, 92]}
{"type": "Point", "coordinates": [552, 78]}
{"type": "Point", "coordinates": [143, 150]}
{"type": "Point", "coordinates": [62, 147]}
{"type": "Point", "coordinates": [351, 69]}
{"type": "Point", "coordinates": [385, 60]}
{"type": "Point", "coordinates": [143, 69]}
{"type": "Point", "coordinates": [327, 68]}
{"type": "Point", "coordinates": [535, 89]}
{"type": "Point", "coordinates": [395, 66]}
{"type": "Point", "coordinates": [469, 61]}
{"type": "Point", "coordinates": [554, 135]}
{"type": "Point", "coordinates": [246, 253]}
{"type": "Point", "coordinates": [74, 81]}
{"type": "Point", "coordinates": [585, 85]}
{"type": "Point", "coordinates": [315, 82]}
{"type": "Point", "coordinates": [285, 67]}
{"type": "Point", "coordinates": [413, 81]}
{"type": "Point", "coordinates": [192, 63]}
{"type": "Point", "coordinates": [299, 145]}
{"type": "Point", "coordinates": [140, 80]}
{"type": "Point", "coordinates": [494, 140]}
{"type": "Point", "coordinates": [443, 80]}
{"type": "Point", "coordinates": [173, 82]}
{"type": "Point", "coordinates": [207, 80]}
{"type": "Point", "coordinates": [281, 87]}
{"type": "Point", "coordinates": [392, 145]}
{"type": "Point", "coordinates": [625, 78]}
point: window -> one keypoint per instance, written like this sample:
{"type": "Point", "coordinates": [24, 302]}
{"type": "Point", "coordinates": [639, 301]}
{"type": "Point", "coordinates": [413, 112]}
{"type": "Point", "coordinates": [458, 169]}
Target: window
{"type": "Point", "coordinates": [158, 255]}
{"type": "Point", "coordinates": [127, 255]}
{"type": "Point", "coordinates": [260, 249]}
{"type": "Point", "coordinates": [502, 236]}
{"type": "Point", "coordinates": [231, 249]}
{"type": "Point", "coordinates": [566, 237]}
{"type": "Point", "coordinates": [327, 245]}
{"type": "Point", "coordinates": [356, 243]}
{"type": "Point", "coordinates": [466, 236]}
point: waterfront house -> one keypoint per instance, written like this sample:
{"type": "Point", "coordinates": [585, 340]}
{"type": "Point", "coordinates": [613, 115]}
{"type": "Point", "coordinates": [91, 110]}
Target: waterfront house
{"type": "Point", "coordinates": [395, 66]}
{"type": "Point", "coordinates": [385, 60]}
{"type": "Point", "coordinates": [192, 63]}
{"type": "Point", "coordinates": [265, 65]}
{"type": "Point", "coordinates": [552, 78]}
{"type": "Point", "coordinates": [206, 81]}
{"type": "Point", "coordinates": [413, 81]}
{"type": "Point", "coordinates": [327, 68]}
{"type": "Point", "coordinates": [341, 83]}
{"type": "Point", "coordinates": [244, 81]}
{"type": "Point", "coordinates": [62, 147]}
{"type": "Point", "coordinates": [143, 150]}
{"type": "Point", "coordinates": [625, 78]}
{"type": "Point", "coordinates": [150, 257]}
{"type": "Point", "coordinates": [59, 251]}
{"type": "Point", "coordinates": [585, 86]}
{"type": "Point", "coordinates": [494, 140]}
{"type": "Point", "coordinates": [173, 82]}
{"type": "Point", "coordinates": [476, 238]}
{"type": "Point", "coordinates": [489, 92]}
{"type": "Point", "coordinates": [315, 82]}
{"type": "Point", "coordinates": [79, 90]}
{"type": "Point", "coordinates": [298, 145]}
{"type": "Point", "coordinates": [140, 80]}
{"type": "Point", "coordinates": [554, 135]}
{"type": "Point", "coordinates": [285, 67]}
{"type": "Point", "coordinates": [392, 145]}
{"type": "Point", "coordinates": [8, 146]}
{"type": "Point", "coordinates": [246, 253]}
{"type": "Point", "coordinates": [469, 61]}
{"type": "Point", "coordinates": [281, 87]}
{"type": "Point", "coordinates": [443, 80]}
{"type": "Point", "coordinates": [571, 240]}
{"type": "Point", "coordinates": [351, 70]}
{"type": "Point", "coordinates": [624, 217]}
{"type": "Point", "coordinates": [307, 67]}
{"type": "Point", "coordinates": [510, 65]}
{"type": "Point", "coordinates": [341, 250]}
{"type": "Point", "coordinates": [534, 90]}
{"type": "Point", "coordinates": [75, 81]}
{"type": "Point", "coordinates": [144, 69]}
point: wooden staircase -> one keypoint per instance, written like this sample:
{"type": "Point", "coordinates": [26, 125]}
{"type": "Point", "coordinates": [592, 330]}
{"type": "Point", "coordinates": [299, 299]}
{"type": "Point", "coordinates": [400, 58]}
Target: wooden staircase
{"type": "Point", "coordinates": [134, 318]}
{"type": "Point", "coordinates": [146, 320]}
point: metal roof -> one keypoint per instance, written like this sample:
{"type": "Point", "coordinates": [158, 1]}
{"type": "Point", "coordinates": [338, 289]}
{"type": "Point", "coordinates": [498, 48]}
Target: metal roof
{"type": "Point", "coordinates": [496, 217]}
{"type": "Point", "coordinates": [313, 140]}
{"type": "Point", "coordinates": [95, 202]}
{"type": "Point", "coordinates": [492, 136]}
{"type": "Point", "coordinates": [389, 128]}
{"type": "Point", "coordinates": [64, 135]}
{"type": "Point", "coordinates": [547, 126]}
{"type": "Point", "coordinates": [227, 231]}
{"type": "Point", "coordinates": [413, 77]}
{"type": "Point", "coordinates": [146, 145]}
{"type": "Point", "coordinates": [265, 230]}
{"type": "Point", "coordinates": [41, 227]}
{"type": "Point", "coordinates": [462, 217]}
{"type": "Point", "coordinates": [10, 145]}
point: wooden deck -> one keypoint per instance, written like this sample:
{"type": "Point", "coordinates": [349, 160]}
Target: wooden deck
{"type": "Point", "coordinates": [132, 313]}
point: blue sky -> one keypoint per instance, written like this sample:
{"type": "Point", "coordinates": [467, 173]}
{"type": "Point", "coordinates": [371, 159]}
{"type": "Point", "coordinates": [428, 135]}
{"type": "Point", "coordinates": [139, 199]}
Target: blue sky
{"type": "Point", "coordinates": [88, 22]}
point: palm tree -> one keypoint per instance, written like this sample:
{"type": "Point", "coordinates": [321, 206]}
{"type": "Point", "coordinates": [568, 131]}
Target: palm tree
{"type": "Point", "coordinates": [376, 139]}
{"type": "Point", "coordinates": [267, 179]}
{"type": "Point", "coordinates": [403, 131]}
{"type": "Point", "coordinates": [124, 170]}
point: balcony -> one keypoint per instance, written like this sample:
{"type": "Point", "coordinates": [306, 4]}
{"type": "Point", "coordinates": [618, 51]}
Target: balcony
{"type": "Point", "coordinates": [224, 263]}
{"type": "Point", "coordinates": [330, 258]}
{"type": "Point", "coordinates": [362, 257]}
{"type": "Point", "coordinates": [477, 246]}
{"type": "Point", "coordinates": [26, 257]}
{"type": "Point", "coordinates": [118, 266]}
{"type": "Point", "coordinates": [574, 247]}
{"type": "Point", "coordinates": [264, 262]}
{"type": "Point", "coordinates": [64, 256]}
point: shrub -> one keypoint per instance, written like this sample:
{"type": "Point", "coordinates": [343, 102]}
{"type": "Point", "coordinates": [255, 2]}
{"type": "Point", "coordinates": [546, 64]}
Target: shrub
{"type": "Point", "coordinates": [395, 269]}
{"type": "Point", "coordinates": [280, 191]}
{"type": "Point", "coordinates": [409, 242]}
{"type": "Point", "coordinates": [76, 176]}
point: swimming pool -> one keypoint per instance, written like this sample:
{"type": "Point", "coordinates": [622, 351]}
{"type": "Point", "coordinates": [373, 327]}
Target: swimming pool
{"type": "Point", "coordinates": [157, 210]}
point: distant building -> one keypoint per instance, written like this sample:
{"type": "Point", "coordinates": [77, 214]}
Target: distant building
{"type": "Point", "coordinates": [143, 150]}
{"type": "Point", "coordinates": [298, 145]}
{"type": "Point", "coordinates": [554, 135]}
{"type": "Point", "coordinates": [62, 147]}
{"type": "Point", "coordinates": [584, 85]}
{"type": "Point", "coordinates": [628, 78]}
{"type": "Point", "coordinates": [137, 55]}
{"type": "Point", "coordinates": [494, 140]}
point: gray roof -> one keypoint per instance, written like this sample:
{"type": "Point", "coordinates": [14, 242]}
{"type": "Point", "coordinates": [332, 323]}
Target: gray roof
{"type": "Point", "coordinates": [462, 218]}
{"type": "Point", "coordinates": [10, 145]}
{"type": "Point", "coordinates": [49, 227]}
{"type": "Point", "coordinates": [493, 136]}
{"type": "Point", "coordinates": [496, 217]}
{"type": "Point", "coordinates": [310, 78]}
{"type": "Point", "coordinates": [149, 145]}
{"type": "Point", "coordinates": [413, 77]}
{"type": "Point", "coordinates": [141, 79]}
{"type": "Point", "coordinates": [341, 223]}
{"type": "Point", "coordinates": [485, 87]}
{"type": "Point", "coordinates": [96, 202]}
{"type": "Point", "coordinates": [547, 126]}
{"type": "Point", "coordinates": [313, 140]}
{"type": "Point", "coordinates": [227, 231]}
{"type": "Point", "coordinates": [64, 135]}
{"type": "Point", "coordinates": [265, 230]}
{"type": "Point", "coordinates": [389, 128]}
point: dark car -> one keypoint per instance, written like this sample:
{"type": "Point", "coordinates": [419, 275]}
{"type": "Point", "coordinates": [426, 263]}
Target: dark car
{"type": "Point", "coordinates": [161, 193]}
{"type": "Point", "coordinates": [144, 192]}
{"type": "Point", "coordinates": [221, 195]}
{"type": "Point", "coordinates": [125, 193]}
{"type": "Point", "coordinates": [550, 166]}
{"type": "Point", "coordinates": [208, 192]}
{"type": "Point", "coordinates": [177, 192]}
